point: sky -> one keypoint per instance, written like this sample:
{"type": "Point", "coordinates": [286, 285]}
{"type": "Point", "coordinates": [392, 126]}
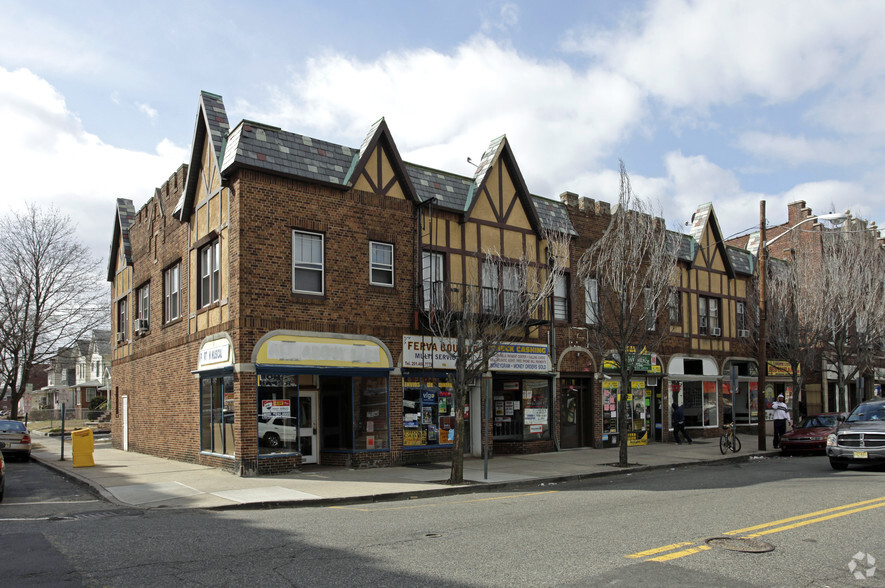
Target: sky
{"type": "Point", "coordinates": [729, 102]}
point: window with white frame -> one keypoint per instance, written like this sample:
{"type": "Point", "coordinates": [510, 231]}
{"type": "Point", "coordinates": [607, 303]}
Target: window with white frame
{"type": "Point", "coordinates": [432, 280]}
{"type": "Point", "coordinates": [741, 318]}
{"type": "Point", "coordinates": [172, 293]}
{"type": "Point", "coordinates": [591, 301]}
{"type": "Point", "coordinates": [380, 264]}
{"type": "Point", "coordinates": [209, 260]}
{"type": "Point", "coordinates": [560, 298]}
{"type": "Point", "coordinates": [510, 275]}
{"type": "Point", "coordinates": [307, 262]}
{"type": "Point", "coordinates": [708, 316]}
{"type": "Point", "coordinates": [143, 307]}
{"type": "Point", "coordinates": [490, 287]}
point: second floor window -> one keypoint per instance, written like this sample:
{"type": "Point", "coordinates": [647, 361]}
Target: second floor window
{"type": "Point", "coordinates": [380, 264]}
{"type": "Point", "coordinates": [708, 316]}
{"type": "Point", "coordinates": [122, 316]}
{"type": "Point", "coordinates": [432, 280]}
{"type": "Point", "coordinates": [209, 260]}
{"type": "Point", "coordinates": [172, 293]}
{"type": "Point", "coordinates": [307, 263]}
{"type": "Point", "coordinates": [560, 298]}
{"type": "Point", "coordinates": [143, 307]}
{"type": "Point", "coordinates": [674, 306]}
{"type": "Point", "coordinates": [591, 301]}
{"type": "Point", "coordinates": [741, 319]}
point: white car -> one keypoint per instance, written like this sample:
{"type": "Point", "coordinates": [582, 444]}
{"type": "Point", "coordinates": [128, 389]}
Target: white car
{"type": "Point", "coordinates": [276, 431]}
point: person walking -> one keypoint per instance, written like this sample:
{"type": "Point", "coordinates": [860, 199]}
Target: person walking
{"type": "Point", "coordinates": [781, 417]}
{"type": "Point", "coordinates": [678, 417]}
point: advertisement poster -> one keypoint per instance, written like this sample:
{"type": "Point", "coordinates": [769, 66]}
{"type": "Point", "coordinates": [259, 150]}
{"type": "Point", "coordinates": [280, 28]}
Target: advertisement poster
{"type": "Point", "coordinates": [276, 408]}
{"type": "Point", "coordinates": [535, 416]}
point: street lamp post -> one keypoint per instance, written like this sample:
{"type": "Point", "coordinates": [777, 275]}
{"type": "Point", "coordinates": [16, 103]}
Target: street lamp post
{"type": "Point", "coordinates": [835, 218]}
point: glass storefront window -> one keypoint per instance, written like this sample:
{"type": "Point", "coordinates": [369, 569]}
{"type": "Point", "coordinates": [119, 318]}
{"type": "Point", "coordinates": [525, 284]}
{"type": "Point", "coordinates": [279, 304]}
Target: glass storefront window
{"type": "Point", "coordinates": [277, 417]}
{"type": "Point", "coordinates": [428, 411]}
{"type": "Point", "coordinates": [217, 414]}
{"type": "Point", "coordinates": [699, 403]}
{"type": "Point", "coordinates": [371, 412]}
{"type": "Point", "coordinates": [521, 409]}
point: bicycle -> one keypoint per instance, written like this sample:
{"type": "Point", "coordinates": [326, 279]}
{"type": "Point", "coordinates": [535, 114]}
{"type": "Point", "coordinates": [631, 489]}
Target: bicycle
{"type": "Point", "coordinates": [729, 440]}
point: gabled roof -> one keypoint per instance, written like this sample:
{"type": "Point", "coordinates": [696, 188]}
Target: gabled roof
{"type": "Point", "coordinates": [380, 134]}
{"type": "Point", "coordinates": [211, 121]}
{"type": "Point", "coordinates": [262, 147]}
{"type": "Point", "coordinates": [499, 150]}
{"type": "Point", "coordinates": [703, 217]}
{"type": "Point", "coordinates": [125, 216]}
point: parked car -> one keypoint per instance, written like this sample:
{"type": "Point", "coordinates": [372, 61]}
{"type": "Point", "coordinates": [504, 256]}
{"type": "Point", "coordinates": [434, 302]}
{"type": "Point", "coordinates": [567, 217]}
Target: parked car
{"type": "Point", "coordinates": [810, 434]}
{"type": "Point", "coordinates": [15, 440]}
{"type": "Point", "coordinates": [2, 477]}
{"type": "Point", "coordinates": [276, 430]}
{"type": "Point", "coordinates": [860, 438]}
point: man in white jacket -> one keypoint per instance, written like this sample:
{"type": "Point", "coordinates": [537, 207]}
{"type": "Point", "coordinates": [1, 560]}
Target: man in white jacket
{"type": "Point", "coordinates": [780, 418]}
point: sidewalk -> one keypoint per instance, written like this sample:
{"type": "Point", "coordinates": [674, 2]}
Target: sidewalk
{"type": "Point", "coordinates": [144, 481]}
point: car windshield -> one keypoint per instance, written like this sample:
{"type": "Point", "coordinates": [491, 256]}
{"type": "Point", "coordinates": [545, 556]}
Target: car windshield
{"type": "Point", "coordinates": [818, 420]}
{"type": "Point", "coordinates": [12, 427]}
{"type": "Point", "coordinates": [868, 412]}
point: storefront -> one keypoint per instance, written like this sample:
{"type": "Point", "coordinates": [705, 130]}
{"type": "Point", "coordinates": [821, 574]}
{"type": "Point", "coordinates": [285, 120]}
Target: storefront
{"type": "Point", "coordinates": [644, 402]}
{"type": "Point", "coordinates": [520, 387]}
{"type": "Point", "coordinates": [323, 397]}
{"type": "Point", "coordinates": [740, 391]}
{"type": "Point", "coordinates": [694, 385]}
{"type": "Point", "coordinates": [218, 414]}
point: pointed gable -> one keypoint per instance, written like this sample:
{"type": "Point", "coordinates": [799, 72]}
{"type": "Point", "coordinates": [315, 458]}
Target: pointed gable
{"type": "Point", "coordinates": [498, 186]}
{"type": "Point", "coordinates": [378, 167]}
{"type": "Point", "coordinates": [711, 252]}
{"type": "Point", "coordinates": [207, 150]}
{"type": "Point", "coordinates": [123, 219]}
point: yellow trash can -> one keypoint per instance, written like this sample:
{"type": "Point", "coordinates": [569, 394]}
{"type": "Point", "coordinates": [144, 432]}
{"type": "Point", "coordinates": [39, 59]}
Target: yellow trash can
{"type": "Point", "coordinates": [83, 446]}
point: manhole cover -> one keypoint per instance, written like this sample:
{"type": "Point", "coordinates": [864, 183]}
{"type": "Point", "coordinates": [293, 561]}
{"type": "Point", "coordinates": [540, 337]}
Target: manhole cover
{"type": "Point", "coordinates": [738, 544]}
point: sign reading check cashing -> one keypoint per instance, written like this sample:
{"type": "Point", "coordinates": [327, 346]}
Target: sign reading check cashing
{"type": "Point", "coordinates": [439, 353]}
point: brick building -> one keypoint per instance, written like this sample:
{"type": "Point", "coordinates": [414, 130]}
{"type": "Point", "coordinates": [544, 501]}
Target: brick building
{"type": "Point", "coordinates": [269, 307]}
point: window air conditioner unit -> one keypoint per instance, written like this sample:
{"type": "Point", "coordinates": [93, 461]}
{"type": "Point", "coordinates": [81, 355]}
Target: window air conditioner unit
{"type": "Point", "coordinates": [141, 325]}
{"type": "Point", "coordinates": [717, 332]}
{"type": "Point", "coordinates": [119, 337]}
{"type": "Point", "coordinates": [743, 333]}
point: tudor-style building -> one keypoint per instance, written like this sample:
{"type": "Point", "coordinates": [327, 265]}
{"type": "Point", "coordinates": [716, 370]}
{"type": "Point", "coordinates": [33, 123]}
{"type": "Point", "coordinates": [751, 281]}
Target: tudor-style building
{"type": "Point", "coordinates": [267, 300]}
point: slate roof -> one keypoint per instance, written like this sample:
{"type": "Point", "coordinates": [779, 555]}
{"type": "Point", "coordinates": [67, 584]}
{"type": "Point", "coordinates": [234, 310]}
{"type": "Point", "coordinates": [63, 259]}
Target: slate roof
{"type": "Point", "coordinates": [216, 121]}
{"type": "Point", "coordinates": [553, 215]}
{"type": "Point", "coordinates": [125, 218]}
{"type": "Point", "coordinates": [450, 190]}
{"type": "Point", "coordinates": [271, 149]}
{"type": "Point", "coordinates": [686, 246]}
{"type": "Point", "coordinates": [741, 260]}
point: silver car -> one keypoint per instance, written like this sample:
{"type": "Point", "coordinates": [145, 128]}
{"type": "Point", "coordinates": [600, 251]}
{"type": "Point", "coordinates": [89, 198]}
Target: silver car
{"type": "Point", "coordinates": [860, 438]}
{"type": "Point", "coordinates": [15, 440]}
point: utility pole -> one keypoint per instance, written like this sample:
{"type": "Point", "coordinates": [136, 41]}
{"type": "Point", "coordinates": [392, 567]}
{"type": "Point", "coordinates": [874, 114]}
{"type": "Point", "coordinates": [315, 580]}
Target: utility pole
{"type": "Point", "coordinates": [763, 330]}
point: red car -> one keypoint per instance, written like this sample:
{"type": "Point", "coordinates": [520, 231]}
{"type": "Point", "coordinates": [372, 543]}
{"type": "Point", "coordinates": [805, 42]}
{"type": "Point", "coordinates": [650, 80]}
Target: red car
{"type": "Point", "coordinates": [810, 435]}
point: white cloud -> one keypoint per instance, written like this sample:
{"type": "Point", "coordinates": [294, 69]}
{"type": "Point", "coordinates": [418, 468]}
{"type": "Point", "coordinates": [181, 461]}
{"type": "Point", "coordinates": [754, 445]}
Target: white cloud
{"type": "Point", "coordinates": [56, 161]}
{"type": "Point", "coordinates": [443, 108]}
{"type": "Point", "coordinates": [147, 110]}
{"type": "Point", "coordinates": [700, 53]}
{"type": "Point", "coordinates": [798, 150]}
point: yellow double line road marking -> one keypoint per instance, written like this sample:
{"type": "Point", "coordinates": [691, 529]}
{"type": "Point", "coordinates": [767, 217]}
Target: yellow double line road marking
{"type": "Point", "coordinates": [760, 530]}
{"type": "Point", "coordinates": [818, 517]}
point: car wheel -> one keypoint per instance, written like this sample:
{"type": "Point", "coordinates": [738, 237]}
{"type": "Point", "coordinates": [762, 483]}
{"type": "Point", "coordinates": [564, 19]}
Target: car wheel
{"type": "Point", "coordinates": [838, 465]}
{"type": "Point", "coordinates": [272, 440]}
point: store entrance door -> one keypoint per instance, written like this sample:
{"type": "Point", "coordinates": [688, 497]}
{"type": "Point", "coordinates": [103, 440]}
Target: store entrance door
{"type": "Point", "coordinates": [308, 425]}
{"type": "Point", "coordinates": [576, 416]}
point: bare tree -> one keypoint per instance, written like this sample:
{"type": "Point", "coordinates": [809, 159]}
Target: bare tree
{"type": "Point", "coordinates": [796, 304]}
{"type": "Point", "coordinates": [852, 269]}
{"type": "Point", "coordinates": [51, 293]}
{"type": "Point", "coordinates": [513, 296]}
{"type": "Point", "coordinates": [634, 267]}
